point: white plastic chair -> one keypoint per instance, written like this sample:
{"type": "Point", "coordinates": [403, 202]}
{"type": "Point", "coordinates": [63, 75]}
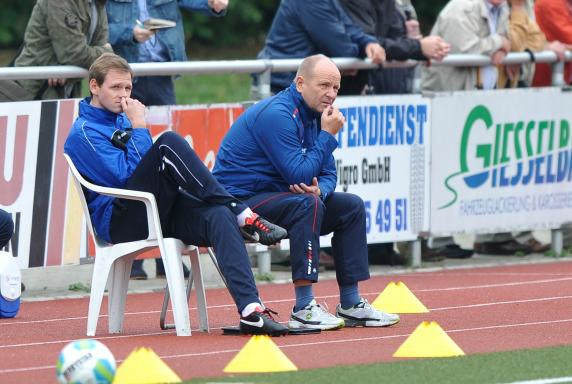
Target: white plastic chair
{"type": "Point", "coordinates": [114, 261]}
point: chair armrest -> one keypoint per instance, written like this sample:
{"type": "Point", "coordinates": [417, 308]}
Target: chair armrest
{"type": "Point", "coordinates": [153, 221]}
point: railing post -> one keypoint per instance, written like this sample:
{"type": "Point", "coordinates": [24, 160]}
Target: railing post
{"type": "Point", "coordinates": [557, 241]}
{"type": "Point", "coordinates": [415, 253]}
{"type": "Point", "coordinates": [262, 90]}
{"type": "Point", "coordinates": [558, 74]}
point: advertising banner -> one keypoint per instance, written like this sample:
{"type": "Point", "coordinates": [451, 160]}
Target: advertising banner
{"type": "Point", "coordinates": [33, 186]}
{"type": "Point", "coordinates": [383, 156]}
{"type": "Point", "coordinates": [501, 160]}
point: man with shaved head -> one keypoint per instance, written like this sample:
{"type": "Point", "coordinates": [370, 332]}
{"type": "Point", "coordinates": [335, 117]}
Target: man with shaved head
{"type": "Point", "coordinates": [278, 158]}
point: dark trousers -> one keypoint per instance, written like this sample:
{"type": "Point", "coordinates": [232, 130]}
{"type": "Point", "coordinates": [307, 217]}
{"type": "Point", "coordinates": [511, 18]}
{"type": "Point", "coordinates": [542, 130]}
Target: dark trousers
{"type": "Point", "coordinates": [154, 90]}
{"type": "Point", "coordinates": [193, 207]}
{"type": "Point", "coordinates": [6, 228]}
{"type": "Point", "coordinates": [306, 218]}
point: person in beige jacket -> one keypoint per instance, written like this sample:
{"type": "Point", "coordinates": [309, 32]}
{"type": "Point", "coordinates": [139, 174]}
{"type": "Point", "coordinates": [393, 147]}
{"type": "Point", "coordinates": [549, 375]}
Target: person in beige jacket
{"type": "Point", "coordinates": [475, 27]}
{"type": "Point", "coordinates": [525, 35]}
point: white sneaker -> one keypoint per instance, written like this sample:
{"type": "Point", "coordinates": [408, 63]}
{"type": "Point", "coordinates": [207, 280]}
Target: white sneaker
{"type": "Point", "coordinates": [363, 314]}
{"type": "Point", "coordinates": [314, 316]}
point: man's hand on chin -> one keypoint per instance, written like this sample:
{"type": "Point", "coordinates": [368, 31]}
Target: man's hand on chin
{"type": "Point", "coordinates": [135, 112]}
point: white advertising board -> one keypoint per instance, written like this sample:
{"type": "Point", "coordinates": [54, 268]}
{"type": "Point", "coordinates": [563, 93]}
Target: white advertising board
{"type": "Point", "coordinates": [19, 135]}
{"type": "Point", "coordinates": [383, 156]}
{"type": "Point", "coordinates": [501, 160]}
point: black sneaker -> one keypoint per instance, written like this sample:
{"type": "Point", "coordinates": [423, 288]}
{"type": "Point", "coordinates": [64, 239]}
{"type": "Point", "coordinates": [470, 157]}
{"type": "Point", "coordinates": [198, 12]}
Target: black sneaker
{"type": "Point", "coordinates": [160, 269]}
{"type": "Point", "coordinates": [137, 271]}
{"type": "Point", "coordinates": [260, 230]}
{"type": "Point", "coordinates": [261, 322]}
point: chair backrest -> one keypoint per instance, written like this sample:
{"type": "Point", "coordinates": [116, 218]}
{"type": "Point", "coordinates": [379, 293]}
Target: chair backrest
{"type": "Point", "coordinates": [79, 181]}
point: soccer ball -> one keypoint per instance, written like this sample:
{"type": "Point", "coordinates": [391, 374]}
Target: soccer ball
{"type": "Point", "coordinates": [85, 362]}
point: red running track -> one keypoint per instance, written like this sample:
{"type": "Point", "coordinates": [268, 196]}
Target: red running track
{"type": "Point", "coordinates": [483, 310]}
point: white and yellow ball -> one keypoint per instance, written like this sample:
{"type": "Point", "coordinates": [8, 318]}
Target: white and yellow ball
{"type": "Point", "coordinates": [85, 362]}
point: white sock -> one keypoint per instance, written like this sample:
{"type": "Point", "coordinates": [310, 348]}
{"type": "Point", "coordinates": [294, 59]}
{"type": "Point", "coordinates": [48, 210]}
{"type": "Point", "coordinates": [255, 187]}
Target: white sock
{"type": "Point", "coordinates": [241, 218]}
{"type": "Point", "coordinates": [251, 308]}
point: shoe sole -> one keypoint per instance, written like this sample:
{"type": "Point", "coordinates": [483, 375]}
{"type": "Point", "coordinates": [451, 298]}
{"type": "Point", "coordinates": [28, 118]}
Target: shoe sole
{"type": "Point", "coordinates": [261, 332]}
{"type": "Point", "coordinates": [293, 324]}
{"type": "Point", "coordinates": [369, 324]}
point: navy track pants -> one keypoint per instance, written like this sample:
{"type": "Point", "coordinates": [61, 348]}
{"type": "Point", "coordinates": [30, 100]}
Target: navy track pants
{"type": "Point", "coordinates": [306, 217]}
{"type": "Point", "coordinates": [193, 207]}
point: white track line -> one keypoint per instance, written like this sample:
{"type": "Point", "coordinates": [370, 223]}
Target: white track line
{"type": "Point", "coordinates": [304, 345]}
{"type": "Point", "coordinates": [553, 380]}
{"type": "Point", "coordinates": [369, 294]}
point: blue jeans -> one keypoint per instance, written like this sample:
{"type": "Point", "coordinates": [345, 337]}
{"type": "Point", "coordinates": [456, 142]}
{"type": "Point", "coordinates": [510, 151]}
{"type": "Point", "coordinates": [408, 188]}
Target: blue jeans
{"type": "Point", "coordinates": [154, 90]}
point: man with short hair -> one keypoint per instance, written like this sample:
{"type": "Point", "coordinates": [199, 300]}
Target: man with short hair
{"type": "Point", "coordinates": [277, 158]}
{"type": "Point", "coordinates": [111, 146]}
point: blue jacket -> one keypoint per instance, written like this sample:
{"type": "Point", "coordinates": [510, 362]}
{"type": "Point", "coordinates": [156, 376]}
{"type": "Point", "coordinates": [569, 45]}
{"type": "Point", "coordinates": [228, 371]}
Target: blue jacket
{"type": "Point", "coordinates": [121, 15]}
{"type": "Point", "coordinates": [99, 161]}
{"type": "Point", "coordinates": [303, 28]}
{"type": "Point", "coordinates": [276, 143]}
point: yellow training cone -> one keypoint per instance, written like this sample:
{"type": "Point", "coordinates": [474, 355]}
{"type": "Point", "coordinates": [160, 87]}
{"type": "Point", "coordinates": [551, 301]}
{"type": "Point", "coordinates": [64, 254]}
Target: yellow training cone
{"type": "Point", "coordinates": [397, 298]}
{"type": "Point", "coordinates": [143, 366]}
{"type": "Point", "coordinates": [260, 354]}
{"type": "Point", "coordinates": [428, 340]}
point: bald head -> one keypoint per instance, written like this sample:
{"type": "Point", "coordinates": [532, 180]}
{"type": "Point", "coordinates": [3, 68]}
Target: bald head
{"type": "Point", "coordinates": [310, 64]}
{"type": "Point", "coordinates": [318, 80]}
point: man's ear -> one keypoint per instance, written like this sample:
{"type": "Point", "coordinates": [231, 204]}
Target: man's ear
{"type": "Point", "coordinates": [93, 87]}
{"type": "Point", "coordinates": [299, 82]}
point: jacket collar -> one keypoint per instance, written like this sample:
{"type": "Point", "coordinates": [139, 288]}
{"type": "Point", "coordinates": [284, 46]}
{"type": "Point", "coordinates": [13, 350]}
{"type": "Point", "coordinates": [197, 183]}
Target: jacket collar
{"type": "Point", "coordinates": [307, 114]}
{"type": "Point", "coordinates": [99, 115]}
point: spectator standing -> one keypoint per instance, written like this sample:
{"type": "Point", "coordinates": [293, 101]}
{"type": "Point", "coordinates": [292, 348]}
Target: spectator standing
{"type": "Point", "coordinates": [6, 228]}
{"type": "Point", "coordinates": [470, 26]}
{"type": "Point", "coordinates": [110, 145]}
{"type": "Point", "coordinates": [302, 28]}
{"type": "Point", "coordinates": [277, 157]}
{"type": "Point", "coordinates": [63, 32]}
{"type": "Point", "coordinates": [136, 44]}
{"type": "Point", "coordinates": [478, 27]}
{"type": "Point", "coordinates": [139, 45]}
{"type": "Point", "coordinates": [554, 17]}
{"type": "Point", "coordinates": [525, 35]}
{"type": "Point", "coordinates": [401, 40]}
{"type": "Point", "coordinates": [382, 19]}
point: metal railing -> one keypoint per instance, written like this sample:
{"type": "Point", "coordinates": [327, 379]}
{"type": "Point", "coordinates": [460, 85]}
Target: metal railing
{"type": "Point", "coordinates": [265, 67]}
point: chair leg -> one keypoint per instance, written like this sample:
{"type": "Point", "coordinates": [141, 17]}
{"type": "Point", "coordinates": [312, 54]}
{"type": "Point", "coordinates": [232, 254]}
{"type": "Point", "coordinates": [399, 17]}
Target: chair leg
{"type": "Point", "coordinates": [101, 270]}
{"type": "Point", "coordinates": [175, 281]}
{"type": "Point", "coordinates": [166, 298]}
{"type": "Point", "coordinates": [118, 284]}
{"type": "Point", "coordinates": [197, 276]}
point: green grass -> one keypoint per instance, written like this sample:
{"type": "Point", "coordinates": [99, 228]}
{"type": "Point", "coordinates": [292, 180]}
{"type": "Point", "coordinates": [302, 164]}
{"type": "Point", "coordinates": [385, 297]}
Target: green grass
{"type": "Point", "coordinates": [502, 367]}
{"type": "Point", "coordinates": [206, 89]}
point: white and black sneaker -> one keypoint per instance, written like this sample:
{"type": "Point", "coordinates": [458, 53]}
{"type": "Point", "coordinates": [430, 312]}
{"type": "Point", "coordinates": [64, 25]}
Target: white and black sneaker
{"type": "Point", "coordinates": [261, 322]}
{"type": "Point", "coordinates": [364, 315]}
{"type": "Point", "coordinates": [314, 316]}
